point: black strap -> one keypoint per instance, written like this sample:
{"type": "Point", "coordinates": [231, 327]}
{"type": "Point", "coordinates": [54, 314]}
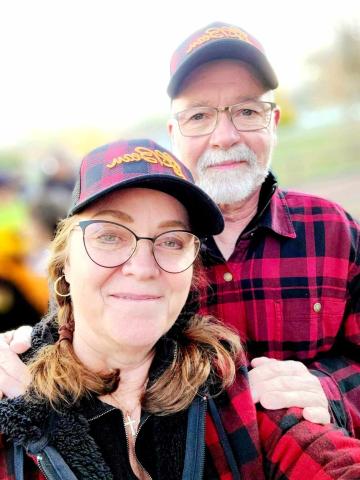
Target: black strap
{"type": "Point", "coordinates": [195, 441]}
{"type": "Point", "coordinates": [18, 452]}
{"type": "Point", "coordinates": [224, 440]}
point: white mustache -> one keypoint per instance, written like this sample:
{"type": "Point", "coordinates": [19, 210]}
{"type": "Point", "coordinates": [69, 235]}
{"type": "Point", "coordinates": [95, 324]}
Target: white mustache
{"type": "Point", "coordinates": [238, 153]}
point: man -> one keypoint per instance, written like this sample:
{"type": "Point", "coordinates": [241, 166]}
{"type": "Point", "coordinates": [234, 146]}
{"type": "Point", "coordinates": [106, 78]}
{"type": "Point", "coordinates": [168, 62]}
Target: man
{"type": "Point", "coordinates": [272, 271]}
{"type": "Point", "coordinates": [286, 270]}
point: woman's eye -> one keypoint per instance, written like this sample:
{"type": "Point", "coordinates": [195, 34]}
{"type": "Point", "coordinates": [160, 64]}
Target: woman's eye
{"type": "Point", "coordinates": [171, 243]}
{"type": "Point", "coordinates": [108, 238]}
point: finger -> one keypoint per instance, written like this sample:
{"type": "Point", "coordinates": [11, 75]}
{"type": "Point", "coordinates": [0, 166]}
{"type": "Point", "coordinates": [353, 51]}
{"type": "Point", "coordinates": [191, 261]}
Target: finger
{"type": "Point", "coordinates": [7, 336]}
{"type": "Point", "coordinates": [275, 400]}
{"type": "Point", "coordinates": [255, 362]}
{"type": "Point", "coordinates": [11, 367]}
{"type": "Point", "coordinates": [317, 415]}
{"type": "Point", "coordinates": [289, 384]}
{"type": "Point", "coordinates": [9, 386]}
{"type": "Point", "coordinates": [273, 368]}
{"type": "Point", "coordinates": [21, 341]}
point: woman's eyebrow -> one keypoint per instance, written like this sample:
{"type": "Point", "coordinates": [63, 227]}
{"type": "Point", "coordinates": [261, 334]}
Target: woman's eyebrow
{"type": "Point", "coordinates": [173, 224]}
{"type": "Point", "coordinates": [125, 217]}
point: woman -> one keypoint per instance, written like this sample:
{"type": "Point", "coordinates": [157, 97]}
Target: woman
{"type": "Point", "coordinates": [134, 381]}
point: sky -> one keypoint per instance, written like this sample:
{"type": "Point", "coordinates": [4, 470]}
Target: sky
{"type": "Point", "coordinates": [73, 64]}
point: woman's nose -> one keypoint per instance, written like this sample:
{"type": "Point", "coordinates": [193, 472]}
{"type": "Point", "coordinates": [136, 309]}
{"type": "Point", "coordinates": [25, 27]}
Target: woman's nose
{"type": "Point", "coordinates": [142, 262]}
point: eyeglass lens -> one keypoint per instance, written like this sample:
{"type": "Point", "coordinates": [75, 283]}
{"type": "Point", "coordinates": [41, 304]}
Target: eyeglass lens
{"type": "Point", "coordinates": [109, 245]}
{"type": "Point", "coordinates": [246, 116]}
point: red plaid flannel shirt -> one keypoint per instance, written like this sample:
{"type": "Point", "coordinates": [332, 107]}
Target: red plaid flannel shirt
{"type": "Point", "coordinates": [279, 444]}
{"type": "Point", "coordinates": [292, 290]}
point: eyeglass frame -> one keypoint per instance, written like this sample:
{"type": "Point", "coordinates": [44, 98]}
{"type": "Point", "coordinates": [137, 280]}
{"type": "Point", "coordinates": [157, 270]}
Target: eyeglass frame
{"type": "Point", "coordinates": [228, 108]}
{"type": "Point", "coordinates": [84, 223]}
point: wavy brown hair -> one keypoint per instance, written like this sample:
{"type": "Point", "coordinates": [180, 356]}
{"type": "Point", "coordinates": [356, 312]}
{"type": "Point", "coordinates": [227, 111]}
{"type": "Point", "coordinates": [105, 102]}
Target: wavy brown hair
{"type": "Point", "coordinates": [206, 349]}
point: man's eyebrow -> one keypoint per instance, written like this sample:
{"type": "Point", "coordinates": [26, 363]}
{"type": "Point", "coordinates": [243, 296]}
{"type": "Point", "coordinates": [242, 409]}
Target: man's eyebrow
{"type": "Point", "coordinates": [115, 213]}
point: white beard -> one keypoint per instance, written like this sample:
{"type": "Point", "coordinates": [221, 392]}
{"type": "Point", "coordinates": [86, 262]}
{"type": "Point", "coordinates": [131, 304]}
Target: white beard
{"type": "Point", "coordinates": [234, 184]}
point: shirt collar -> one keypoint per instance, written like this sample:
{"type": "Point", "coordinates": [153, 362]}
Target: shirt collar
{"type": "Point", "coordinates": [272, 213]}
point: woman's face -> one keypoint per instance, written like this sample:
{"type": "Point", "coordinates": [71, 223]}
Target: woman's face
{"type": "Point", "coordinates": [131, 306]}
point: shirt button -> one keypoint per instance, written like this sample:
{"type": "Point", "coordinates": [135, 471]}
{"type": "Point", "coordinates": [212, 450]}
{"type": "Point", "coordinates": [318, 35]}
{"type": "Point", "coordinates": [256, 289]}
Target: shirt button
{"type": "Point", "coordinates": [228, 277]}
{"type": "Point", "coordinates": [317, 307]}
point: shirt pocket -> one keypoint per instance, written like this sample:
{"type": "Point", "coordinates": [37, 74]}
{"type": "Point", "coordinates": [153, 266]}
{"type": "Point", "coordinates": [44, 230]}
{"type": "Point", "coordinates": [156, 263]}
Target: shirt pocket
{"type": "Point", "coordinates": [307, 327]}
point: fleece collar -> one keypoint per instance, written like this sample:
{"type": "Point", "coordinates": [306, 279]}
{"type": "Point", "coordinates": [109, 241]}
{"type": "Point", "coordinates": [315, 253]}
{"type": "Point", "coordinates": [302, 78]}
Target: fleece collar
{"type": "Point", "coordinates": [36, 425]}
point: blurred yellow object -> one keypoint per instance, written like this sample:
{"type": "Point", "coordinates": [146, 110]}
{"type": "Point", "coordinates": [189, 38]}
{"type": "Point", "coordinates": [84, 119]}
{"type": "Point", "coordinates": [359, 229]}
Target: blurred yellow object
{"type": "Point", "coordinates": [13, 268]}
{"type": "Point", "coordinates": [12, 244]}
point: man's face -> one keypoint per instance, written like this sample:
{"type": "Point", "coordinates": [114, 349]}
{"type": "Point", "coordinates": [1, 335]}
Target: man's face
{"type": "Point", "coordinates": [229, 165]}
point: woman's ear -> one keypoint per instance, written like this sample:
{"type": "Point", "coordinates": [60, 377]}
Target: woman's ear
{"type": "Point", "coordinates": [66, 270]}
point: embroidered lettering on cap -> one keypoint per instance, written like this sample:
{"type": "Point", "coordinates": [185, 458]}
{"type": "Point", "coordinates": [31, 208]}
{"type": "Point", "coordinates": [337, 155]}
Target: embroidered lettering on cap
{"type": "Point", "coordinates": [151, 156]}
{"type": "Point", "coordinates": [214, 33]}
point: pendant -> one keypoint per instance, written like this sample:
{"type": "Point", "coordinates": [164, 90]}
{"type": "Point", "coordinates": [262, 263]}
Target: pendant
{"type": "Point", "coordinates": [130, 423]}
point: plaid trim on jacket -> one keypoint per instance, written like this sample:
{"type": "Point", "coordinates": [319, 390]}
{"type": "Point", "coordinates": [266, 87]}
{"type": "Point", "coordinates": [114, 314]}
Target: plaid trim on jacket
{"type": "Point", "coordinates": [291, 288]}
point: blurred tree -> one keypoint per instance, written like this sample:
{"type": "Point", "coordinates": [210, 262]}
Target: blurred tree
{"type": "Point", "coordinates": [288, 109]}
{"type": "Point", "coordinates": [336, 70]}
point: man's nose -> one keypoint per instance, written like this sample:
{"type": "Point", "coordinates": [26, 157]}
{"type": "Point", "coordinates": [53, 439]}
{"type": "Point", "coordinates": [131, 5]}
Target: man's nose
{"type": "Point", "coordinates": [225, 134]}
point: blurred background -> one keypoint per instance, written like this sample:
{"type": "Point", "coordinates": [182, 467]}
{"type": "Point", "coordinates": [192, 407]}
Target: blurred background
{"type": "Point", "coordinates": [76, 74]}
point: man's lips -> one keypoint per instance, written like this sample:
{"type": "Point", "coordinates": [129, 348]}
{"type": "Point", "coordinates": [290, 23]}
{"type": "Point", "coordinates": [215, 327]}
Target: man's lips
{"type": "Point", "coordinates": [227, 164]}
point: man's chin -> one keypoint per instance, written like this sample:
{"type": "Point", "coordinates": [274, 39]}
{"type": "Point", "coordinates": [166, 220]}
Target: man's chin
{"type": "Point", "coordinates": [225, 188]}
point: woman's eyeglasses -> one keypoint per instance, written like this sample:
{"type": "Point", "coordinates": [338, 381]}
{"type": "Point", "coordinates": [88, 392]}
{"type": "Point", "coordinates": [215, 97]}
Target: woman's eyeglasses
{"type": "Point", "coordinates": [109, 244]}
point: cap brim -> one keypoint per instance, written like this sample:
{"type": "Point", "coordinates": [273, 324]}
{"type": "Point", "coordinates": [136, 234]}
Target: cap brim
{"type": "Point", "coordinates": [221, 50]}
{"type": "Point", "coordinates": [204, 215]}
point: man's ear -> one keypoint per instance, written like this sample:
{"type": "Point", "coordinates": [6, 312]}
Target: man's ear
{"type": "Point", "coordinates": [275, 124]}
{"type": "Point", "coordinates": [170, 128]}
{"type": "Point", "coordinates": [277, 115]}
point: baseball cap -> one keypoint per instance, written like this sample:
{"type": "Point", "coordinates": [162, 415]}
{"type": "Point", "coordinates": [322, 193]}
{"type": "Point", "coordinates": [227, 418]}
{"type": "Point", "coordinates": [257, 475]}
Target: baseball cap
{"type": "Point", "coordinates": [218, 41]}
{"type": "Point", "coordinates": [142, 163]}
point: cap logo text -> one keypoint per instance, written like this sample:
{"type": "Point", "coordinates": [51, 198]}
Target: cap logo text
{"type": "Point", "coordinates": [151, 156]}
{"type": "Point", "coordinates": [219, 32]}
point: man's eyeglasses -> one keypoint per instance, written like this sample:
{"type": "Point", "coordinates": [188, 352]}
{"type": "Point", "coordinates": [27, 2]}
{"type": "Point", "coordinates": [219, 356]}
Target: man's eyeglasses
{"type": "Point", "coordinates": [110, 244]}
{"type": "Point", "coordinates": [247, 116]}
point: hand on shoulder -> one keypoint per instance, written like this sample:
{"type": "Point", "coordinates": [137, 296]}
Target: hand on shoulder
{"type": "Point", "coordinates": [287, 383]}
{"type": "Point", "coordinates": [14, 374]}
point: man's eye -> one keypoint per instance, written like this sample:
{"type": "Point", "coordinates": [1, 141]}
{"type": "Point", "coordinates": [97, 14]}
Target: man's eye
{"type": "Point", "coordinates": [197, 116]}
{"type": "Point", "coordinates": [247, 112]}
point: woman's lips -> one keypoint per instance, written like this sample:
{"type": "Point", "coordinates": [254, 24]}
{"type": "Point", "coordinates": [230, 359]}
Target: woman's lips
{"type": "Point", "coordinates": [135, 297]}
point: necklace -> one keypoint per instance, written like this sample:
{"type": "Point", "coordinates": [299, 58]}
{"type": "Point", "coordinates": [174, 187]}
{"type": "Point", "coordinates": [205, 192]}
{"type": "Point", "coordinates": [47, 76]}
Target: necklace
{"type": "Point", "coordinates": [128, 416]}
{"type": "Point", "coordinates": [130, 422]}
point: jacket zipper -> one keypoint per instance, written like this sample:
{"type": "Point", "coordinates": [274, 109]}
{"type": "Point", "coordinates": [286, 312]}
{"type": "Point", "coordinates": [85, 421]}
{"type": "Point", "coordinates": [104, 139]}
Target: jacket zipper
{"type": "Point", "coordinates": [128, 447]}
{"type": "Point", "coordinates": [137, 433]}
{"type": "Point", "coordinates": [42, 468]}
{"type": "Point", "coordinates": [202, 432]}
